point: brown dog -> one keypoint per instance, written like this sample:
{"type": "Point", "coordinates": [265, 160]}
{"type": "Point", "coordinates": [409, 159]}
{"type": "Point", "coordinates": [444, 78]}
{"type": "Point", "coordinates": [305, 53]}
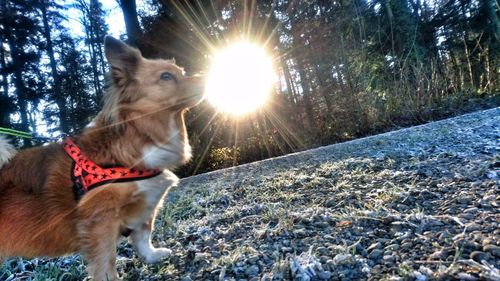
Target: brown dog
{"type": "Point", "coordinates": [45, 209]}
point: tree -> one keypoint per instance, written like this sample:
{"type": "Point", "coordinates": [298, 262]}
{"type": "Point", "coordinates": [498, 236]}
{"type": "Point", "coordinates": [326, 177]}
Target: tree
{"type": "Point", "coordinates": [134, 32]}
{"type": "Point", "coordinates": [95, 28]}
{"type": "Point", "coordinates": [18, 27]}
{"type": "Point", "coordinates": [57, 94]}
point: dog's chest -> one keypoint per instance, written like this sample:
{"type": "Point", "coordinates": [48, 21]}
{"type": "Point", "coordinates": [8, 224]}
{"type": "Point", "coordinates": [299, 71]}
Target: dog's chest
{"type": "Point", "coordinates": [174, 151]}
{"type": "Point", "coordinates": [152, 191]}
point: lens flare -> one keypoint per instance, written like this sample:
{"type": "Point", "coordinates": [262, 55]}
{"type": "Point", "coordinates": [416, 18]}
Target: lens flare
{"type": "Point", "coordinates": [240, 79]}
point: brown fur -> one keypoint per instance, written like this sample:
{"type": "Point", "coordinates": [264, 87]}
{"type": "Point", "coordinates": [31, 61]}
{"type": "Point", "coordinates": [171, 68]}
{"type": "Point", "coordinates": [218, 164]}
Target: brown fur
{"type": "Point", "coordinates": [39, 215]}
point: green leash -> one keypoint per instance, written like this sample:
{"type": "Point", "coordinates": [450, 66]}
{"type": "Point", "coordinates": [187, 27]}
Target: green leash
{"type": "Point", "coordinates": [16, 133]}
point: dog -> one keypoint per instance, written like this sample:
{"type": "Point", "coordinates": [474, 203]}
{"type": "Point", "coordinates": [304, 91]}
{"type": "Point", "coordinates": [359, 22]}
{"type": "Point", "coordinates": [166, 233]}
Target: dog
{"type": "Point", "coordinates": [51, 201]}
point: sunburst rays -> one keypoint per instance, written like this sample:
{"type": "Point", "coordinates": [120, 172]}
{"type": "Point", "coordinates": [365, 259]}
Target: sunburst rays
{"type": "Point", "coordinates": [213, 30]}
{"type": "Point", "coordinates": [275, 131]}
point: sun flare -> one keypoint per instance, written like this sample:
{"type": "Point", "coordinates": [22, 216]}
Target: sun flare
{"type": "Point", "coordinates": [240, 78]}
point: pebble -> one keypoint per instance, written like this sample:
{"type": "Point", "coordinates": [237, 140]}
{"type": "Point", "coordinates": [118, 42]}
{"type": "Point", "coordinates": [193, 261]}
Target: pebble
{"type": "Point", "coordinates": [389, 258]}
{"type": "Point", "coordinates": [493, 249]}
{"type": "Point", "coordinates": [466, 276]}
{"type": "Point", "coordinates": [253, 259]}
{"type": "Point", "coordinates": [341, 258]}
{"type": "Point", "coordinates": [329, 237]}
{"type": "Point", "coordinates": [331, 203]}
{"type": "Point", "coordinates": [434, 223]}
{"type": "Point", "coordinates": [479, 256]}
{"type": "Point", "coordinates": [300, 232]}
{"type": "Point", "coordinates": [321, 224]}
{"type": "Point", "coordinates": [471, 210]}
{"type": "Point", "coordinates": [392, 247]}
{"type": "Point", "coordinates": [323, 250]}
{"type": "Point", "coordinates": [324, 259]}
{"type": "Point", "coordinates": [473, 226]}
{"type": "Point", "coordinates": [390, 218]}
{"type": "Point", "coordinates": [383, 240]}
{"type": "Point", "coordinates": [325, 275]}
{"type": "Point", "coordinates": [376, 245]}
{"type": "Point", "coordinates": [440, 254]}
{"type": "Point", "coordinates": [330, 263]}
{"type": "Point", "coordinates": [375, 254]}
{"type": "Point", "coordinates": [464, 200]}
{"type": "Point", "coordinates": [252, 270]}
{"type": "Point", "coordinates": [406, 245]}
{"type": "Point", "coordinates": [201, 257]}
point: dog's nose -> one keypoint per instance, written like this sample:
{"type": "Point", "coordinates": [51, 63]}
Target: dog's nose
{"type": "Point", "coordinates": [200, 78]}
{"type": "Point", "coordinates": [198, 83]}
{"type": "Point", "coordinates": [194, 90]}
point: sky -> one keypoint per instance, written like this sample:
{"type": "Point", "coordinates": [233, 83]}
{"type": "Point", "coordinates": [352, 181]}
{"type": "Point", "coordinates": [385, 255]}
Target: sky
{"type": "Point", "coordinates": [114, 19]}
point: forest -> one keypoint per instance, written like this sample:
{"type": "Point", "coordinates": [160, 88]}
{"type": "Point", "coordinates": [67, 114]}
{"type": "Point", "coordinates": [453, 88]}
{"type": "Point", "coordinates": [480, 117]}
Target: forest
{"type": "Point", "coordinates": [345, 69]}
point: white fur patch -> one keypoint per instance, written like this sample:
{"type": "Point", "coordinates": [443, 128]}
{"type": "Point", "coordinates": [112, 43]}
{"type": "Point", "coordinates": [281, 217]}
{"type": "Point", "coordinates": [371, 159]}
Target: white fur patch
{"type": "Point", "coordinates": [91, 124]}
{"type": "Point", "coordinates": [154, 189]}
{"type": "Point", "coordinates": [141, 239]}
{"type": "Point", "coordinates": [7, 151]}
{"type": "Point", "coordinates": [159, 157]}
{"type": "Point", "coordinates": [169, 155]}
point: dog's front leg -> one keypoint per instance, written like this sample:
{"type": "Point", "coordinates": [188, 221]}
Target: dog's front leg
{"type": "Point", "coordinates": [98, 246]}
{"type": "Point", "coordinates": [141, 240]}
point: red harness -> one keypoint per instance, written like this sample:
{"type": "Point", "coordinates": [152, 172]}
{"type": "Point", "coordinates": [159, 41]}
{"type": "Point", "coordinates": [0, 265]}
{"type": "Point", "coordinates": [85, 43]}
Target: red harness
{"type": "Point", "coordinates": [87, 175]}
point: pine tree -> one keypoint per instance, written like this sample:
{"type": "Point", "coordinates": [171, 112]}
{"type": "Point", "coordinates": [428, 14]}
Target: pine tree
{"type": "Point", "coordinates": [92, 19]}
{"type": "Point", "coordinates": [20, 29]}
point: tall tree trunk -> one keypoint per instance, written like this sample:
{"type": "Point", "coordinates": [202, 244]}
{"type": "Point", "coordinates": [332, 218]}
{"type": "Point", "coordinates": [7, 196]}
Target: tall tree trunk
{"type": "Point", "coordinates": [306, 94]}
{"type": "Point", "coordinates": [5, 104]}
{"type": "Point", "coordinates": [491, 7]}
{"type": "Point", "coordinates": [322, 89]}
{"type": "Point", "coordinates": [98, 36]}
{"type": "Point", "coordinates": [132, 25]}
{"type": "Point", "coordinates": [469, 63]}
{"type": "Point", "coordinates": [89, 32]}
{"type": "Point", "coordinates": [56, 87]}
{"type": "Point", "coordinates": [292, 98]}
{"type": "Point", "coordinates": [5, 76]}
{"type": "Point", "coordinates": [20, 90]}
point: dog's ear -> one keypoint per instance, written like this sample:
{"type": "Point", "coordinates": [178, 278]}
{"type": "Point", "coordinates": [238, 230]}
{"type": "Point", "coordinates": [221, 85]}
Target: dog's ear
{"type": "Point", "coordinates": [122, 58]}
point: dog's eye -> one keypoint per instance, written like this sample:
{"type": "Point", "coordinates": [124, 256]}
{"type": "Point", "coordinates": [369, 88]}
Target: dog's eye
{"type": "Point", "coordinates": [167, 76]}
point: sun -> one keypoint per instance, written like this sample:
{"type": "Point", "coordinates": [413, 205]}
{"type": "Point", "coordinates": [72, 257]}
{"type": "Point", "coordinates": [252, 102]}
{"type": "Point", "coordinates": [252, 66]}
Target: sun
{"type": "Point", "coordinates": [240, 78]}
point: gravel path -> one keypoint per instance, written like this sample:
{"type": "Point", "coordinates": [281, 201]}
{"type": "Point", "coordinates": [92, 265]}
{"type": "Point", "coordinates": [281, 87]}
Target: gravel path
{"type": "Point", "coordinates": [415, 204]}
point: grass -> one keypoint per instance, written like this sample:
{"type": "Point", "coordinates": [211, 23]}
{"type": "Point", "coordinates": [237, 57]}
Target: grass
{"type": "Point", "coordinates": [391, 193]}
{"type": "Point", "coordinates": [35, 270]}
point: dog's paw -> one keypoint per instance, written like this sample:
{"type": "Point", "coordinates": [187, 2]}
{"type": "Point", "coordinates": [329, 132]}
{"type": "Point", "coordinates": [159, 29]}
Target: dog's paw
{"type": "Point", "coordinates": [157, 254]}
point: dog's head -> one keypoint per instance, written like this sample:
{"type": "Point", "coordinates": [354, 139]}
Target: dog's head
{"type": "Point", "coordinates": [142, 86]}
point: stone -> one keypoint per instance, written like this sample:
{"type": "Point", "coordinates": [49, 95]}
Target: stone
{"type": "Point", "coordinates": [252, 270]}
{"type": "Point", "coordinates": [478, 256]}
{"type": "Point", "coordinates": [375, 254]}
{"type": "Point", "coordinates": [493, 249]}
{"type": "Point", "coordinates": [406, 245]}
{"type": "Point", "coordinates": [323, 250]}
{"type": "Point", "coordinates": [392, 247]}
{"type": "Point", "coordinates": [325, 275]}
{"type": "Point", "coordinates": [253, 259]}
{"type": "Point", "coordinates": [389, 258]}
{"type": "Point", "coordinates": [473, 226]}
{"type": "Point", "coordinates": [376, 245]}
